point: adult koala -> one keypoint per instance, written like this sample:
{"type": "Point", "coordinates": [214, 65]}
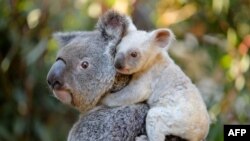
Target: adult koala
{"type": "Point", "coordinates": [84, 72]}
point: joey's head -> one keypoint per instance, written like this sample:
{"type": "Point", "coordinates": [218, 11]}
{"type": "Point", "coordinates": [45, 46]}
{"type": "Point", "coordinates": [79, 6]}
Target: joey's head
{"type": "Point", "coordinates": [84, 69]}
{"type": "Point", "coordinates": [138, 49]}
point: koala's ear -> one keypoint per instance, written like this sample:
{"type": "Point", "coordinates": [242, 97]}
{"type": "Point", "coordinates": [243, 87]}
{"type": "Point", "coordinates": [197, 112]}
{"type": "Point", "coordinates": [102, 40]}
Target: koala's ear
{"type": "Point", "coordinates": [64, 38]}
{"type": "Point", "coordinates": [114, 25]}
{"type": "Point", "coordinates": [162, 37]}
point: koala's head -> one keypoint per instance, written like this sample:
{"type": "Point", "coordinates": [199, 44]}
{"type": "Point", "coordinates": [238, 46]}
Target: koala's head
{"type": "Point", "coordinates": [84, 68]}
{"type": "Point", "coordinates": [138, 48]}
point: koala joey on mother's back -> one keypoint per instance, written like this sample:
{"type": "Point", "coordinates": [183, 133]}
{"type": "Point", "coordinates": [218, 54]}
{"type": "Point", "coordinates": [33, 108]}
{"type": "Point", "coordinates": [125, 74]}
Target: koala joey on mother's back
{"type": "Point", "coordinates": [176, 106]}
{"type": "Point", "coordinates": [82, 74]}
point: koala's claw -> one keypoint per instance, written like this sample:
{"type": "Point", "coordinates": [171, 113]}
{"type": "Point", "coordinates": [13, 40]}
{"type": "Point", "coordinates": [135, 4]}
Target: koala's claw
{"type": "Point", "coordinates": [141, 138]}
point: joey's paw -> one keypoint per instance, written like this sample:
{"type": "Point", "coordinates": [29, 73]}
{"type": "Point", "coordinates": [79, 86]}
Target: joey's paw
{"type": "Point", "coordinates": [141, 138]}
{"type": "Point", "coordinates": [107, 101]}
{"type": "Point", "coordinates": [104, 102]}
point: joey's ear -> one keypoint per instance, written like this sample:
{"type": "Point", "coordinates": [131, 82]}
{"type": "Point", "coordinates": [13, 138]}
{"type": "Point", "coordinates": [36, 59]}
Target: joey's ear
{"type": "Point", "coordinates": [64, 38]}
{"type": "Point", "coordinates": [131, 26]}
{"type": "Point", "coordinates": [114, 25]}
{"type": "Point", "coordinates": [162, 37]}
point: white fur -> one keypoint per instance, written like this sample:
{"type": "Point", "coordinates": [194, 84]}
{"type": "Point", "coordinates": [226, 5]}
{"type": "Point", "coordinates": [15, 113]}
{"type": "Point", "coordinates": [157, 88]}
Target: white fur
{"type": "Point", "coordinates": [131, 26]}
{"type": "Point", "coordinates": [176, 106]}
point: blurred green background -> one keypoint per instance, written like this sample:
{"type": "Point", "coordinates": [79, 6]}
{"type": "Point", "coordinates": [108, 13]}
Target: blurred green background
{"type": "Point", "coordinates": [213, 38]}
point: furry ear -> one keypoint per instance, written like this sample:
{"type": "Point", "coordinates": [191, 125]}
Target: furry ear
{"type": "Point", "coordinates": [114, 25]}
{"type": "Point", "coordinates": [131, 26]}
{"type": "Point", "coordinates": [64, 38]}
{"type": "Point", "coordinates": [162, 37]}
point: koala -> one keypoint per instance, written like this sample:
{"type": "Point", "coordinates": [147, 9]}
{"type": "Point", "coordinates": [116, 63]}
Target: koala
{"type": "Point", "coordinates": [84, 68]}
{"type": "Point", "coordinates": [176, 106]}
{"type": "Point", "coordinates": [84, 72]}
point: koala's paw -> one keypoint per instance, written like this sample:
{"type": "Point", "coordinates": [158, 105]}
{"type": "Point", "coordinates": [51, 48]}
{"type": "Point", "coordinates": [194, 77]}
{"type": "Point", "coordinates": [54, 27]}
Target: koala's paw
{"type": "Point", "coordinates": [141, 138]}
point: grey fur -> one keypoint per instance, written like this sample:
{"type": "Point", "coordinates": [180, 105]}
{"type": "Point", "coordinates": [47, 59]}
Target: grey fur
{"type": "Point", "coordinates": [64, 38]}
{"type": "Point", "coordinates": [87, 86]}
{"type": "Point", "coordinates": [106, 124]}
{"type": "Point", "coordinates": [112, 22]}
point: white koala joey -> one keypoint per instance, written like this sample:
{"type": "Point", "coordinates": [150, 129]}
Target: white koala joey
{"type": "Point", "coordinates": [176, 106]}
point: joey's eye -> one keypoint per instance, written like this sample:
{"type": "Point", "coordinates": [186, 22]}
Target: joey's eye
{"type": "Point", "coordinates": [133, 54]}
{"type": "Point", "coordinates": [85, 64]}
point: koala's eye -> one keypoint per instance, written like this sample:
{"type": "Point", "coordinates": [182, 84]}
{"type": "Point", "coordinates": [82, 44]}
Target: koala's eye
{"type": "Point", "coordinates": [85, 64]}
{"type": "Point", "coordinates": [133, 54]}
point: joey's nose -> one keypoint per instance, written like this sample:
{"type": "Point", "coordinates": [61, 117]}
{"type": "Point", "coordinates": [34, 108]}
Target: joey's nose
{"type": "Point", "coordinates": [118, 65]}
{"type": "Point", "coordinates": [120, 61]}
{"type": "Point", "coordinates": [55, 75]}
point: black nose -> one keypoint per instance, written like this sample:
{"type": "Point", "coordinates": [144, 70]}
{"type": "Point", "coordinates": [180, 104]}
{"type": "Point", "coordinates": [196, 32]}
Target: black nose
{"type": "Point", "coordinates": [118, 65]}
{"type": "Point", "coordinates": [55, 75]}
{"type": "Point", "coordinates": [120, 61]}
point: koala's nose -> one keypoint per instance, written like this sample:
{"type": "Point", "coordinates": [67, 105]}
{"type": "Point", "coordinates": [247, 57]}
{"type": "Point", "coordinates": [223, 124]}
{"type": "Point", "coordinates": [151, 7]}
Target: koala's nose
{"type": "Point", "coordinates": [55, 75]}
{"type": "Point", "coordinates": [120, 61]}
